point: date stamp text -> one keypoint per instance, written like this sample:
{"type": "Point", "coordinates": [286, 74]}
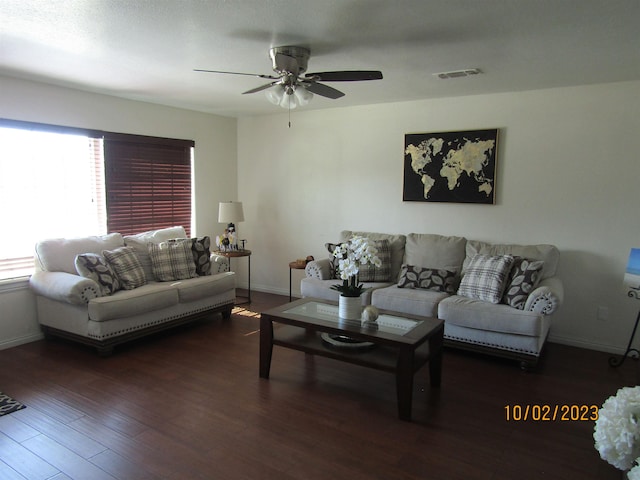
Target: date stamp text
{"type": "Point", "coordinates": [551, 413]}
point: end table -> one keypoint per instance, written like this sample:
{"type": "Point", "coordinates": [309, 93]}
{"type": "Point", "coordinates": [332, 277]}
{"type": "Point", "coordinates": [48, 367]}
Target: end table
{"type": "Point", "coordinates": [295, 265]}
{"type": "Point", "coordinates": [235, 254]}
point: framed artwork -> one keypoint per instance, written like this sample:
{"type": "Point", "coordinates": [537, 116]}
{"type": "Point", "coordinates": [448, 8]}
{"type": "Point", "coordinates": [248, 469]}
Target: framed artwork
{"type": "Point", "coordinates": [458, 167]}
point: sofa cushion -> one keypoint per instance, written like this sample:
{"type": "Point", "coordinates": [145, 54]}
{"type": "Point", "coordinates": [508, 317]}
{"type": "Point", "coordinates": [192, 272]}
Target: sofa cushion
{"type": "Point", "coordinates": [396, 247]}
{"type": "Point", "coordinates": [314, 287]}
{"type": "Point", "coordinates": [408, 300]}
{"type": "Point", "coordinates": [128, 303]}
{"type": "Point", "coordinates": [548, 253]}
{"type": "Point", "coordinates": [140, 243]}
{"type": "Point", "coordinates": [435, 251]}
{"type": "Point", "coordinates": [485, 277]}
{"type": "Point", "coordinates": [206, 286]}
{"type": "Point", "coordinates": [523, 278]}
{"type": "Point", "coordinates": [172, 260]}
{"type": "Point", "coordinates": [127, 266]}
{"type": "Point", "coordinates": [59, 254]}
{"type": "Point", "coordinates": [481, 315]}
{"type": "Point", "coordinates": [95, 267]}
{"type": "Point", "coordinates": [201, 251]}
{"type": "Point", "coordinates": [428, 278]}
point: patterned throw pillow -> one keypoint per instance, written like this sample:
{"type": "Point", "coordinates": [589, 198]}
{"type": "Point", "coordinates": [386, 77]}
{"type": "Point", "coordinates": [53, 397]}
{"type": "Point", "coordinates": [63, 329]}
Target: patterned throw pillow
{"type": "Point", "coordinates": [201, 251]}
{"type": "Point", "coordinates": [127, 266]}
{"type": "Point", "coordinates": [428, 278]}
{"type": "Point", "coordinates": [172, 260]}
{"type": "Point", "coordinates": [368, 272]}
{"type": "Point", "coordinates": [524, 277]}
{"type": "Point", "coordinates": [371, 273]}
{"type": "Point", "coordinates": [93, 266]}
{"type": "Point", "coordinates": [333, 261]}
{"type": "Point", "coordinates": [485, 277]}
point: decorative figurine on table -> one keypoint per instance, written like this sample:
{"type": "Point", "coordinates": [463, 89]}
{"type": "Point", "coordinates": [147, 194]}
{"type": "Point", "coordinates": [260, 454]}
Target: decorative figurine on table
{"type": "Point", "coordinates": [228, 241]}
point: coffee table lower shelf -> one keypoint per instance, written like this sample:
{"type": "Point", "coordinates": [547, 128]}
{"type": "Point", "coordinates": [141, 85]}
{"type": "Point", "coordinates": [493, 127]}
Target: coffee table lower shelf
{"type": "Point", "coordinates": [380, 357]}
{"type": "Point", "coordinates": [401, 360]}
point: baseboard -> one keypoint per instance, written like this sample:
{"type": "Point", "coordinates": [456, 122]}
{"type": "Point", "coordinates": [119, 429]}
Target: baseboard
{"type": "Point", "coordinates": [14, 342]}
{"type": "Point", "coordinates": [269, 289]}
{"type": "Point", "coordinates": [600, 347]}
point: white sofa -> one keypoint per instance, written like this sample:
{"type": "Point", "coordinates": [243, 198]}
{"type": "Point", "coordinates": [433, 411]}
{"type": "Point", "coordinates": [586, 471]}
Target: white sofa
{"type": "Point", "coordinates": [470, 322]}
{"type": "Point", "coordinates": [84, 309]}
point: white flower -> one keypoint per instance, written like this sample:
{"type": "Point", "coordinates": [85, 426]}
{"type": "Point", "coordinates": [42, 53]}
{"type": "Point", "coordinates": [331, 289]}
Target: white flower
{"type": "Point", "coordinates": [617, 432]}
{"type": "Point", "coordinates": [357, 251]}
{"type": "Point", "coordinates": [634, 473]}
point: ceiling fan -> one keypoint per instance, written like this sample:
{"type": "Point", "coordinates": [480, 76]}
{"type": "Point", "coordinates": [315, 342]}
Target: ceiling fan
{"type": "Point", "coordinates": [289, 88]}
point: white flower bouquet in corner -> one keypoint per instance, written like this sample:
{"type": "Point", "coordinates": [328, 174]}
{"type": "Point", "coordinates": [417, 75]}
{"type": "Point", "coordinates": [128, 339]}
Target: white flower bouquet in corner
{"type": "Point", "coordinates": [351, 255]}
{"type": "Point", "coordinates": [617, 431]}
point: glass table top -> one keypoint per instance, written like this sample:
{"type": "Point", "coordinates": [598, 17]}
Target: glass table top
{"type": "Point", "coordinates": [322, 311]}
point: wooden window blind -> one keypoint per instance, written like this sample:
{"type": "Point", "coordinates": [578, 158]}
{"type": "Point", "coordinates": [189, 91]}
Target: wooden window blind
{"type": "Point", "coordinates": [148, 183]}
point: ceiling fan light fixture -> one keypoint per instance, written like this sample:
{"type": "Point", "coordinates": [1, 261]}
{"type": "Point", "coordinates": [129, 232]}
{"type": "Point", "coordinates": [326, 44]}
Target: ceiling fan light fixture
{"type": "Point", "coordinates": [288, 96]}
{"type": "Point", "coordinates": [288, 100]}
{"type": "Point", "coordinates": [289, 89]}
{"type": "Point", "coordinates": [303, 96]}
{"type": "Point", "coordinates": [275, 94]}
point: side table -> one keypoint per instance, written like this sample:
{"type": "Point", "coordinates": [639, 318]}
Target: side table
{"type": "Point", "coordinates": [236, 254]}
{"type": "Point", "coordinates": [295, 265]}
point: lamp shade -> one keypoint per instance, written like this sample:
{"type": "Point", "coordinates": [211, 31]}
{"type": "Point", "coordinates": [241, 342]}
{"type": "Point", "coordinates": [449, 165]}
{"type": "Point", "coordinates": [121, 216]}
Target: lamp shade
{"type": "Point", "coordinates": [230, 212]}
{"type": "Point", "coordinates": [632, 274]}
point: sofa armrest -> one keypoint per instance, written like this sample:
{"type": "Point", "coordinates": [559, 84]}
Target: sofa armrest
{"type": "Point", "coordinates": [64, 287]}
{"type": "Point", "coordinates": [219, 264]}
{"type": "Point", "coordinates": [547, 297]}
{"type": "Point", "coordinates": [320, 269]}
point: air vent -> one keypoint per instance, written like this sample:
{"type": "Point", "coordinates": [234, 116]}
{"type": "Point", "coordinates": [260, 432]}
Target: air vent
{"type": "Point", "coordinates": [458, 73]}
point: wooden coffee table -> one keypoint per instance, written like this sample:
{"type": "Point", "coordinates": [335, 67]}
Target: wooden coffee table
{"type": "Point", "coordinates": [401, 343]}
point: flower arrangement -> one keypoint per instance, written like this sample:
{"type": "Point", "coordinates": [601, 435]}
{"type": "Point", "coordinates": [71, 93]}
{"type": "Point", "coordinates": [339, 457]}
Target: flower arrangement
{"type": "Point", "coordinates": [617, 431]}
{"type": "Point", "coordinates": [351, 255]}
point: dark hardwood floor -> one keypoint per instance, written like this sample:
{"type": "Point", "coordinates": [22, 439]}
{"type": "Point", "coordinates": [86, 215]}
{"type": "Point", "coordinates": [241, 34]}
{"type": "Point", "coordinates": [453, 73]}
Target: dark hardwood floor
{"type": "Point", "coordinates": [188, 404]}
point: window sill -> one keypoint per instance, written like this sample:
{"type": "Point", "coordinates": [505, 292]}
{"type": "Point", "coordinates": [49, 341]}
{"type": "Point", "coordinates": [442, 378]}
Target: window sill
{"type": "Point", "coordinates": [13, 284]}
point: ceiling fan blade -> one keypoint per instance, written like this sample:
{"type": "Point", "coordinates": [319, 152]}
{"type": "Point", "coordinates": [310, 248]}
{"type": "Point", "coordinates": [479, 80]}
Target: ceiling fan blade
{"type": "Point", "coordinates": [237, 73]}
{"type": "Point", "coordinates": [286, 63]}
{"type": "Point", "coordinates": [346, 76]}
{"type": "Point", "coordinates": [260, 88]}
{"type": "Point", "coordinates": [323, 90]}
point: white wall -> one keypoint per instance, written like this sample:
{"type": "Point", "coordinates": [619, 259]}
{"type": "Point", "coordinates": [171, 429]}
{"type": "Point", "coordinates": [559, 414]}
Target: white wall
{"type": "Point", "coordinates": [567, 174]}
{"type": "Point", "coordinates": [568, 168]}
{"type": "Point", "coordinates": [214, 166]}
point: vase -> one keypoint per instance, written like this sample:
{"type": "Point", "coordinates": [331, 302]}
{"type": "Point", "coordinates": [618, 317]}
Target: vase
{"type": "Point", "coordinates": [349, 308]}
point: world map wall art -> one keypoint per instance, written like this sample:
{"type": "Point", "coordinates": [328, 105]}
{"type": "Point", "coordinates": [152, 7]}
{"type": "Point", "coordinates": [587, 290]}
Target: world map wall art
{"type": "Point", "coordinates": [458, 167]}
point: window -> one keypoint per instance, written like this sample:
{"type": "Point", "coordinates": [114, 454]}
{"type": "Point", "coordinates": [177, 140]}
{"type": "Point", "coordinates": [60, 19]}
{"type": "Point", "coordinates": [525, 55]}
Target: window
{"type": "Point", "coordinates": [148, 182]}
{"type": "Point", "coordinates": [66, 182]}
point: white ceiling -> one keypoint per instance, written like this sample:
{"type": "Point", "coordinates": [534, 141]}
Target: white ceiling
{"type": "Point", "coordinates": [147, 49]}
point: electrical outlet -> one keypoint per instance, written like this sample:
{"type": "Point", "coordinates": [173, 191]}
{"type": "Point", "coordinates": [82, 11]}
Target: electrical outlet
{"type": "Point", "coordinates": [603, 314]}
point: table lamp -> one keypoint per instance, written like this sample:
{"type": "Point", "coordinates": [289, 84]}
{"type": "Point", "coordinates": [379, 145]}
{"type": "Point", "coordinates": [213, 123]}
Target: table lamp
{"type": "Point", "coordinates": [632, 286]}
{"type": "Point", "coordinates": [230, 213]}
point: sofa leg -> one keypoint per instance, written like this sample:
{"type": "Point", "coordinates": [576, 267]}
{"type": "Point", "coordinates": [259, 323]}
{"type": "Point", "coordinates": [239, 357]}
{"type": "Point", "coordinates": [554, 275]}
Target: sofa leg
{"type": "Point", "coordinates": [104, 350]}
{"type": "Point", "coordinates": [527, 366]}
{"type": "Point", "coordinates": [226, 313]}
{"type": "Point", "coordinates": [46, 332]}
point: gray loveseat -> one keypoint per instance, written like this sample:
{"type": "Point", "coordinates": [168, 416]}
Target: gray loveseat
{"type": "Point", "coordinates": [515, 324]}
{"type": "Point", "coordinates": [110, 307]}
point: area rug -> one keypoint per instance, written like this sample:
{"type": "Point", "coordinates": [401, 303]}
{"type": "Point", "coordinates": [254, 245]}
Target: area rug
{"type": "Point", "coordinates": [9, 405]}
